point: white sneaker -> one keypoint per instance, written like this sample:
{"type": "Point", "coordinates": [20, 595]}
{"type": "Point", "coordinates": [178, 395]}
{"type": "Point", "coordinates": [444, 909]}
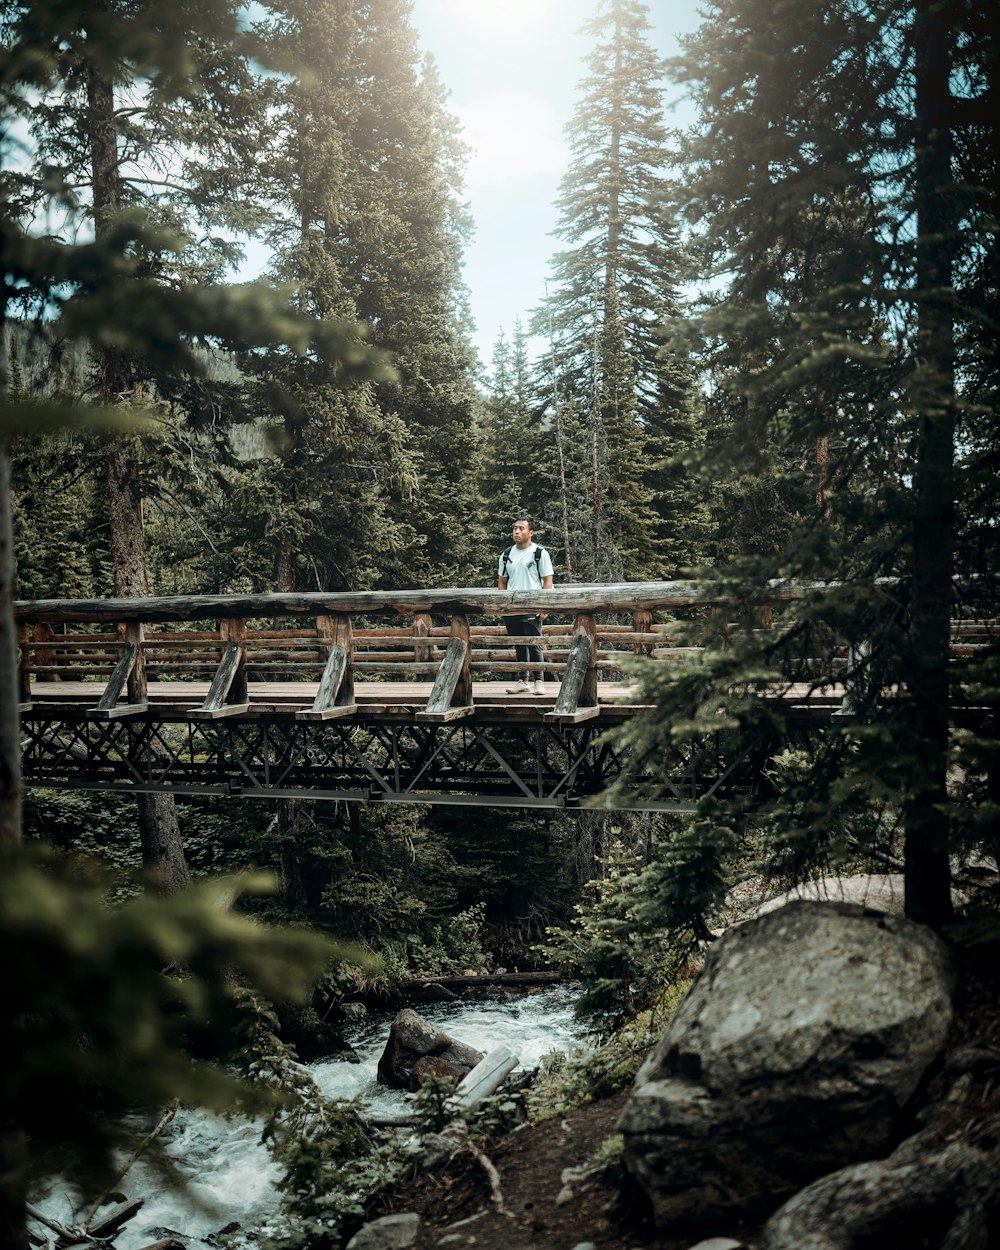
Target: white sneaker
{"type": "Point", "coordinates": [522, 687]}
{"type": "Point", "coordinates": [539, 686]}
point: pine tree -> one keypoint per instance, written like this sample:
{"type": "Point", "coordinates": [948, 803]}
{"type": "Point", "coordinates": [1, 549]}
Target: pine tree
{"type": "Point", "coordinates": [367, 160]}
{"type": "Point", "coordinates": [513, 448]}
{"type": "Point", "coordinates": [404, 227]}
{"type": "Point", "coordinates": [614, 293]}
{"type": "Point", "coordinates": [314, 502]}
{"type": "Point", "coordinates": [823, 168]}
{"type": "Point", "coordinates": [113, 121]}
{"type": "Point", "coordinates": [118, 290]}
{"type": "Point", "coordinates": [144, 151]}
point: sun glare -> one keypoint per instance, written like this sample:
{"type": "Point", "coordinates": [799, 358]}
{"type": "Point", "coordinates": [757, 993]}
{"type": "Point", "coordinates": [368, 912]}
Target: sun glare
{"type": "Point", "coordinates": [501, 17]}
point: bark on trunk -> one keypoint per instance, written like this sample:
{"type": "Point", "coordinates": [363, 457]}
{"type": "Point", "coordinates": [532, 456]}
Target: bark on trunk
{"type": "Point", "coordinates": [287, 822]}
{"type": "Point", "coordinates": [160, 835]}
{"type": "Point", "coordinates": [13, 1144]}
{"type": "Point", "coordinates": [160, 838]}
{"type": "Point", "coordinates": [10, 744]}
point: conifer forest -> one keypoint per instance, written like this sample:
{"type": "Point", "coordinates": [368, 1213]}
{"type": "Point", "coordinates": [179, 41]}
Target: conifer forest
{"type": "Point", "coordinates": [768, 351]}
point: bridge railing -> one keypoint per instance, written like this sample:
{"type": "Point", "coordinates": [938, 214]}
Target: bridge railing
{"type": "Point", "coordinates": [342, 640]}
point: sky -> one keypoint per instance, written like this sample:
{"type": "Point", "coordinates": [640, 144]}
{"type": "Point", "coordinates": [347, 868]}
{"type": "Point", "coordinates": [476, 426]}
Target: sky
{"type": "Point", "coordinates": [512, 68]}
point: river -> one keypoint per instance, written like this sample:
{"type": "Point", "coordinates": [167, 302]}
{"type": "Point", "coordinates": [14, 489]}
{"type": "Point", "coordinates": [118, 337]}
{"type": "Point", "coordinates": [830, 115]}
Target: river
{"type": "Point", "coordinates": [232, 1179]}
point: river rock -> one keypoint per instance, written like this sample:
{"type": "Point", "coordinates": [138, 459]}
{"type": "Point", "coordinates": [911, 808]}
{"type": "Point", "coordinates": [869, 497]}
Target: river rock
{"type": "Point", "coordinates": [391, 1232]}
{"type": "Point", "coordinates": [354, 1013]}
{"type": "Point", "coordinates": [879, 892]}
{"type": "Point", "coordinates": [416, 1048]}
{"type": "Point", "coordinates": [791, 1056]}
{"type": "Point", "coordinates": [928, 1192]}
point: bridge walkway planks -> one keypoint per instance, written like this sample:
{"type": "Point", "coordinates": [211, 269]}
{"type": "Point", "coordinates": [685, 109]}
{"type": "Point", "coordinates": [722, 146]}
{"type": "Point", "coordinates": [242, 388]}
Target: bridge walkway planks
{"type": "Point", "coordinates": [392, 700]}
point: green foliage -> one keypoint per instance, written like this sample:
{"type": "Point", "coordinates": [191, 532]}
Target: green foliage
{"type": "Point", "coordinates": [520, 865]}
{"type": "Point", "coordinates": [515, 455]}
{"type": "Point", "coordinates": [373, 485]}
{"type": "Point", "coordinates": [432, 1105]}
{"type": "Point", "coordinates": [61, 545]}
{"type": "Point", "coordinates": [332, 1167]}
{"type": "Point", "coordinates": [616, 379]}
{"type": "Point", "coordinates": [423, 888]}
{"type": "Point", "coordinates": [84, 822]}
{"type": "Point", "coordinates": [332, 1164]}
{"type": "Point", "coordinates": [628, 942]}
{"type": "Point", "coordinates": [840, 182]}
{"type": "Point", "coordinates": [566, 1082]}
{"type": "Point", "coordinates": [101, 1002]}
{"type": "Point", "coordinates": [454, 944]}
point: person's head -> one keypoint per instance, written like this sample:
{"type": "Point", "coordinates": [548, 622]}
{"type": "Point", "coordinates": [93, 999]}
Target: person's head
{"type": "Point", "coordinates": [523, 531]}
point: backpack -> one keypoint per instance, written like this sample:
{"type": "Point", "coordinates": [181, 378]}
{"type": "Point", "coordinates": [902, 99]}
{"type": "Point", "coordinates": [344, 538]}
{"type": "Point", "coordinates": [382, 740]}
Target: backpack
{"type": "Point", "coordinates": [538, 559]}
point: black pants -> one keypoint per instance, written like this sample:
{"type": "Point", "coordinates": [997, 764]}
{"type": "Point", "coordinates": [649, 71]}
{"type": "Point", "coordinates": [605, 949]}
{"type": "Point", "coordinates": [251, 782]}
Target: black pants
{"type": "Point", "coordinates": [526, 627]}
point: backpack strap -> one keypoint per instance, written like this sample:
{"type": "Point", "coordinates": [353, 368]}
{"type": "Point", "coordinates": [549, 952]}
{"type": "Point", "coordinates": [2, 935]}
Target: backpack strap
{"type": "Point", "coordinates": [539, 551]}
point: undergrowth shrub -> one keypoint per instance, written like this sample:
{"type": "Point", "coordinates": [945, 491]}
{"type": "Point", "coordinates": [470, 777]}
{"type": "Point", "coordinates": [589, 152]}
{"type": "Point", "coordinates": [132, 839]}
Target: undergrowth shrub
{"type": "Point", "coordinates": [566, 1082]}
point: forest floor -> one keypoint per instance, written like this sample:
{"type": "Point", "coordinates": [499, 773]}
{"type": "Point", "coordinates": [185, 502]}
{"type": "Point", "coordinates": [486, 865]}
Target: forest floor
{"type": "Point", "coordinates": [459, 1206]}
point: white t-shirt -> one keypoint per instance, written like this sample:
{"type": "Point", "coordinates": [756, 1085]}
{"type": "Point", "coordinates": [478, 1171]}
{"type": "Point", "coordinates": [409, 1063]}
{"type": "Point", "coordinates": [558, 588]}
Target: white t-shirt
{"type": "Point", "coordinates": [522, 572]}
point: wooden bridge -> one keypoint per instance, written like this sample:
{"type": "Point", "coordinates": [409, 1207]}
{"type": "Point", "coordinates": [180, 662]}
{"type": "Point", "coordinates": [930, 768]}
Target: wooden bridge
{"type": "Point", "coordinates": [366, 696]}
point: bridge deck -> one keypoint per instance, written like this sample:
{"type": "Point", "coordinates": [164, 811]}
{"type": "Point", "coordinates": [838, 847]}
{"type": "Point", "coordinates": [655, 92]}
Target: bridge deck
{"type": "Point", "coordinates": [394, 700]}
{"type": "Point", "coordinates": [402, 696]}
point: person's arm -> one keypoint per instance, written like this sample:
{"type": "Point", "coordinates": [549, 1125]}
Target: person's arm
{"type": "Point", "coordinates": [501, 583]}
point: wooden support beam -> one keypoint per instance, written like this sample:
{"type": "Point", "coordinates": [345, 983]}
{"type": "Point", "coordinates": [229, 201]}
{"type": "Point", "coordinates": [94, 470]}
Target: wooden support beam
{"type": "Point", "coordinates": [107, 706]}
{"type": "Point", "coordinates": [335, 696]}
{"type": "Point", "coordinates": [135, 633]}
{"type": "Point", "coordinates": [451, 697]}
{"type": "Point", "coordinates": [227, 695]}
{"type": "Point", "coordinates": [128, 675]}
{"type": "Point", "coordinates": [325, 705]}
{"type": "Point", "coordinates": [577, 697]}
{"type": "Point", "coordinates": [859, 655]}
{"type": "Point", "coordinates": [44, 657]}
{"type": "Point", "coordinates": [463, 688]}
{"type": "Point", "coordinates": [422, 626]}
{"type": "Point", "coordinates": [642, 623]}
{"type": "Point", "coordinates": [23, 667]}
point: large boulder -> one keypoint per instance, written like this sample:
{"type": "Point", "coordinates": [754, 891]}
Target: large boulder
{"type": "Point", "coordinates": [929, 1192]}
{"type": "Point", "coordinates": [793, 1054]}
{"type": "Point", "coordinates": [416, 1049]}
{"type": "Point", "coordinates": [879, 893]}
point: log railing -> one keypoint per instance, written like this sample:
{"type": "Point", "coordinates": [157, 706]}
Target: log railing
{"type": "Point", "coordinates": [342, 640]}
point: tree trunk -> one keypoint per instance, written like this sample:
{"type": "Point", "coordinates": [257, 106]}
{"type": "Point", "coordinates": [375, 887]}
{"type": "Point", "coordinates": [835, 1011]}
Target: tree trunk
{"type": "Point", "coordinates": [160, 835]}
{"type": "Point", "coordinates": [823, 478]}
{"type": "Point", "coordinates": [287, 826]}
{"type": "Point", "coordinates": [13, 1145]}
{"type": "Point", "coordinates": [925, 802]}
{"type": "Point", "coordinates": [10, 742]}
{"type": "Point", "coordinates": [160, 838]}
{"type": "Point", "coordinates": [125, 510]}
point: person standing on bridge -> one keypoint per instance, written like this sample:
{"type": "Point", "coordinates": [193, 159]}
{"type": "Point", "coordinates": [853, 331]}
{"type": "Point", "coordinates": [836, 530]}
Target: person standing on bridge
{"type": "Point", "coordinates": [525, 566]}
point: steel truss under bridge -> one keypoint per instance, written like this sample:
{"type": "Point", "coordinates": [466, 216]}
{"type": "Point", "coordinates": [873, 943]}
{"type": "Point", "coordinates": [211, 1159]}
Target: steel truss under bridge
{"type": "Point", "coordinates": [464, 762]}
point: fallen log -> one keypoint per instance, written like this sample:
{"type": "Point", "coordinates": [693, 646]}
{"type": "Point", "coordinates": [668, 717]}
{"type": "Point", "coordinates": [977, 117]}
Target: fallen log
{"type": "Point", "coordinates": [107, 1225]}
{"type": "Point", "coordinates": [484, 1078]}
{"type": "Point", "coordinates": [487, 978]}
